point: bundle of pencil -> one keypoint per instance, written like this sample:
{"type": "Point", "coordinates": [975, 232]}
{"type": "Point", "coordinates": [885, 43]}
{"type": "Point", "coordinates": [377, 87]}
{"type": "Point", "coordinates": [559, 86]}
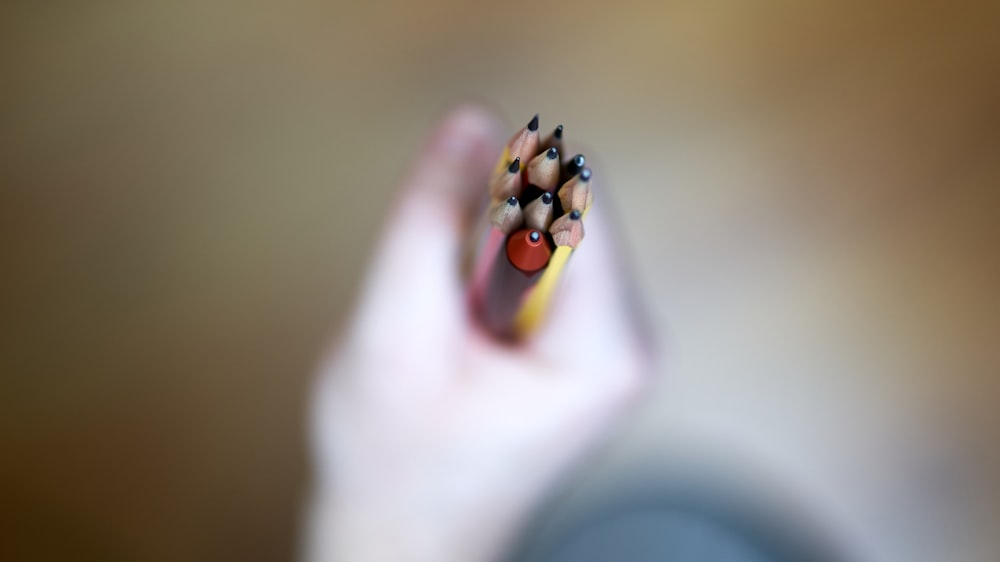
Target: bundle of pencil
{"type": "Point", "coordinates": [537, 202]}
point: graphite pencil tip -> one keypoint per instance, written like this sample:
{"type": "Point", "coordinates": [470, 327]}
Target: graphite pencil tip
{"type": "Point", "coordinates": [558, 132]}
{"type": "Point", "coordinates": [534, 236]}
{"type": "Point", "coordinates": [512, 201]}
{"type": "Point", "coordinates": [585, 174]}
{"type": "Point", "coordinates": [575, 215]}
{"type": "Point", "coordinates": [546, 198]}
{"type": "Point", "coordinates": [552, 153]}
{"type": "Point", "coordinates": [533, 124]}
{"type": "Point", "coordinates": [515, 165]}
{"type": "Point", "coordinates": [575, 164]}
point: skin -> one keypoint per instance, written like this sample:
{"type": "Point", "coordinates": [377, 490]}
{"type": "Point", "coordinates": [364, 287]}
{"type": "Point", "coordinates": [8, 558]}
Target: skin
{"type": "Point", "coordinates": [433, 441]}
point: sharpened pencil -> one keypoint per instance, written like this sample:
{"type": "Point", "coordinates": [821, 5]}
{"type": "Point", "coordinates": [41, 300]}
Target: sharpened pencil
{"type": "Point", "coordinates": [554, 139]}
{"type": "Point", "coordinates": [543, 170]}
{"type": "Point", "coordinates": [539, 213]}
{"type": "Point", "coordinates": [568, 230]}
{"type": "Point", "coordinates": [506, 216]}
{"type": "Point", "coordinates": [507, 182]}
{"type": "Point", "coordinates": [524, 143]}
{"type": "Point", "coordinates": [575, 164]}
{"type": "Point", "coordinates": [576, 194]}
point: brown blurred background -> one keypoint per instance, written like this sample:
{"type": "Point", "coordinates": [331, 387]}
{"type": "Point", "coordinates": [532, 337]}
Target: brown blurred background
{"type": "Point", "coordinates": [191, 189]}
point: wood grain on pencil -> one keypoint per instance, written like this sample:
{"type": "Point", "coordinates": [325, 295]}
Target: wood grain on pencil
{"type": "Point", "coordinates": [567, 230]}
{"type": "Point", "coordinates": [524, 143]}
{"type": "Point", "coordinates": [543, 170]}
{"type": "Point", "coordinates": [539, 213]}
{"type": "Point", "coordinates": [576, 194]}
{"type": "Point", "coordinates": [507, 182]}
{"type": "Point", "coordinates": [507, 215]}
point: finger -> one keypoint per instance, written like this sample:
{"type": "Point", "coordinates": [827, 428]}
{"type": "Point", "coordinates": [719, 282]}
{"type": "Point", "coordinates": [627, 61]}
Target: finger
{"type": "Point", "coordinates": [594, 325]}
{"type": "Point", "coordinates": [414, 279]}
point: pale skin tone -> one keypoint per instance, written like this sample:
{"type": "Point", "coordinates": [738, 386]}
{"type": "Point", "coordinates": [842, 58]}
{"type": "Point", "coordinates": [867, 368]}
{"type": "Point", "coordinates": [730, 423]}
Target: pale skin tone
{"type": "Point", "coordinates": [432, 440]}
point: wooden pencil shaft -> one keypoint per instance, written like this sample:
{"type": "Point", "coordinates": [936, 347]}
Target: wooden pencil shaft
{"type": "Point", "coordinates": [543, 170]}
{"type": "Point", "coordinates": [567, 230]}
{"type": "Point", "coordinates": [576, 193]}
{"type": "Point", "coordinates": [507, 181]}
{"type": "Point", "coordinates": [524, 143]}
{"type": "Point", "coordinates": [507, 215]}
{"type": "Point", "coordinates": [539, 213]}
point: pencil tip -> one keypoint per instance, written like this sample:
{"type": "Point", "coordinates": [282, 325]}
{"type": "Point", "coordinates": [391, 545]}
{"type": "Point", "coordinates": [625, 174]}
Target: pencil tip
{"type": "Point", "coordinates": [575, 215]}
{"type": "Point", "coordinates": [585, 175]}
{"type": "Point", "coordinates": [552, 153]}
{"type": "Point", "coordinates": [558, 132]}
{"type": "Point", "coordinates": [534, 236]}
{"type": "Point", "coordinates": [514, 166]}
{"type": "Point", "coordinates": [546, 198]}
{"type": "Point", "coordinates": [533, 124]}
{"type": "Point", "coordinates": [512, 201]}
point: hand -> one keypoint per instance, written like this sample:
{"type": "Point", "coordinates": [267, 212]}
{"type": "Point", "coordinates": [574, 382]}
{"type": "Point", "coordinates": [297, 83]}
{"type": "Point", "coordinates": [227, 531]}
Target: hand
{"type": "Point", "coordinates": [432, 440]}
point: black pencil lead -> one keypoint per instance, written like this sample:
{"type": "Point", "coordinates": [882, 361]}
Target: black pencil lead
{"type": "Point", "coordinates": [515, 166]}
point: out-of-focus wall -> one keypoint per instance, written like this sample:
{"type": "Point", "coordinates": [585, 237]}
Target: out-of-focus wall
{"type": "Point", "coordinates": [190, 190]}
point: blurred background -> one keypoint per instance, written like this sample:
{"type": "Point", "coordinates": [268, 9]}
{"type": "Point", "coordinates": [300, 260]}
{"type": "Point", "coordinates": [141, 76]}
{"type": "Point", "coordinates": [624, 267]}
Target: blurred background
{"type": "Point", "coordinates": [191, 189]}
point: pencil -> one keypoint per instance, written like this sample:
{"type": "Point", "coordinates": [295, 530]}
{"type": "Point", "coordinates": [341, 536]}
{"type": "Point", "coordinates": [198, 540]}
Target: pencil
{"type": "Point", "coordinates": [507, 181]}
{"type": "Point", "coordinates": [538, 213]}
{"type": "Point", "coordinates": [572, 167]}
{"type": "Point", "coordinates": [524, 143]}
{"type": "Point", "coordinates": [543, 170]}
{"type": "Point", "coordinates": [554, 139]}
{"type": "Point", "coordinates": [576, 193]}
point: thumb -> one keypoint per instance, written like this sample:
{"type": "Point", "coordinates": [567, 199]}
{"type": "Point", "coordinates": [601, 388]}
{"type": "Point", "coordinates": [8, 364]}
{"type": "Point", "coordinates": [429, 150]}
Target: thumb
{"type": "Point", "coordinates": [414, 279]}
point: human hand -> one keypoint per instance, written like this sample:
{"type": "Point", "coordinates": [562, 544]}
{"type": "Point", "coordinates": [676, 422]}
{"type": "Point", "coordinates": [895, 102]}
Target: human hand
{"type": "Point", "coordinates": [432, 439]}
